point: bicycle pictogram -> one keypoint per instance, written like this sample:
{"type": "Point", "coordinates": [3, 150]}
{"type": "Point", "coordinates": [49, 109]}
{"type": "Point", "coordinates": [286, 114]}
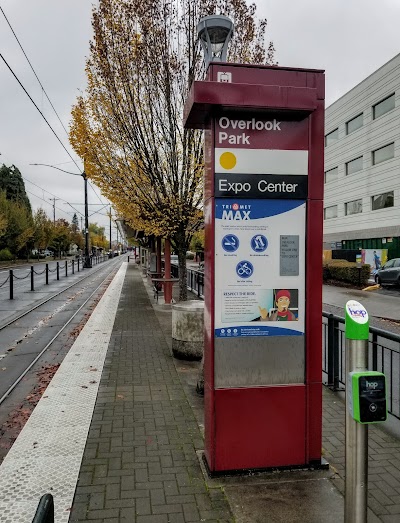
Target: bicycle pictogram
{"type": "Point", "coordinates": [244, 269]}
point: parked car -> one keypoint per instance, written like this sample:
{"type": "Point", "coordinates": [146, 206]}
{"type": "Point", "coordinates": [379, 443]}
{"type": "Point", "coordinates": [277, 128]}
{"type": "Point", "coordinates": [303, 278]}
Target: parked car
{"type": "Point", "coordinates": [389, 273]}
{"type": "Point", "coordinates": [42, 254]}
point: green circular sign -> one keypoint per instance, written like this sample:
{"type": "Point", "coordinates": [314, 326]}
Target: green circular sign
{"type": "Point", "coordinates": [356, 321]}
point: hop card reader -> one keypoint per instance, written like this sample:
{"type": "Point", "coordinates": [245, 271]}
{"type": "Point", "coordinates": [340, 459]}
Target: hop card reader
{"type": "Point", "coordinates": [367, 396]}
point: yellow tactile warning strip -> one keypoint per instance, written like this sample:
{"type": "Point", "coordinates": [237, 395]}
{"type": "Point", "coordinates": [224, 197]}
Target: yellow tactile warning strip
{"type": "Point", "coordinates": [47, 454]}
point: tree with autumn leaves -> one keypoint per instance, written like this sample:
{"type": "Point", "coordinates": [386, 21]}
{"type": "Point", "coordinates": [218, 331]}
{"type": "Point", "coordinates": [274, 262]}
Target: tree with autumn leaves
{"type": "Point", "coordinates": [128, 124]}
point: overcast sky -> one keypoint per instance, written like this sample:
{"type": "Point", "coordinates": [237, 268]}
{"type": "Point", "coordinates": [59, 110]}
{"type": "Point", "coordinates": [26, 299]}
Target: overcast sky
{"type": "Point", "coordinates": [348, 38]}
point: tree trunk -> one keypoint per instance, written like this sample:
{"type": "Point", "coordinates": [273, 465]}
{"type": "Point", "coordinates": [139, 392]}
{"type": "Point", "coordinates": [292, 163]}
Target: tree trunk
{"type": "Point", "coordinates": [182, 273]}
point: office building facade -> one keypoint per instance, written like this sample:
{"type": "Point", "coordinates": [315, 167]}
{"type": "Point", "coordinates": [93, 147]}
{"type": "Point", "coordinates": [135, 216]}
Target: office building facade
{"type": "Point", "coordinates": [362, 165]}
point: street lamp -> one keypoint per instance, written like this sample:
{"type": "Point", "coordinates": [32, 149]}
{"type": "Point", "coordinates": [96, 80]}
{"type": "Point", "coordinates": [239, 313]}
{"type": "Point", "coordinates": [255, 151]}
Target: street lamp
{"type": "Point", "coordinates": [88, 260]}
{"type": "Point", "coordinates": [215, 32]}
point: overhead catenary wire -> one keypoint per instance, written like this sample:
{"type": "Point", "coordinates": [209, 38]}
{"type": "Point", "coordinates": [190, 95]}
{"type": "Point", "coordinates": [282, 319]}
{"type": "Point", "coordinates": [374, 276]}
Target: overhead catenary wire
{"type": "Point", "coordinates": [100, 200]}
{"type": "Point", "coordinates": [33, 70]}
{"type": "Point", "coordinates": [40, 198]}
{"type": "Point", "coordinates": [54, 195]}
{"type": "Point", "coordinates": [37, 108]}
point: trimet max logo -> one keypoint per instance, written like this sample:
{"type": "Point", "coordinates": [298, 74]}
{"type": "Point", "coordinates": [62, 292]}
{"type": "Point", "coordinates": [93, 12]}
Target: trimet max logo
{"type": "Point", "coordinates": [235, 211]}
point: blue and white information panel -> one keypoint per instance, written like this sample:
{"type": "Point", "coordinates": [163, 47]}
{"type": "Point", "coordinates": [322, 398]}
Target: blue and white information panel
{"type": "Point", "coordinates": [259, 267]}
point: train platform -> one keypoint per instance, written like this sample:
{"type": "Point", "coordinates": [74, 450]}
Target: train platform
{"type": "Point", "coordinates": [118, 435]}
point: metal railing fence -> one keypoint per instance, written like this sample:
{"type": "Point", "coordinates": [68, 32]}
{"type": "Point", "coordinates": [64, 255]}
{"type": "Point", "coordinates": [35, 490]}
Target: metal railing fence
{"type": "Point", "coordinates": [68, 266]}
{"type": "Point", "coordinates": [383, 354]}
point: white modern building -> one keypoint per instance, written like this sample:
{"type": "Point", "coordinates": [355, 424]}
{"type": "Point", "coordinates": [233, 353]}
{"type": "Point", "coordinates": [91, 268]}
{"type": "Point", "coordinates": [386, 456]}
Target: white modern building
{"type": "Point", "coordinates": [362, 165]}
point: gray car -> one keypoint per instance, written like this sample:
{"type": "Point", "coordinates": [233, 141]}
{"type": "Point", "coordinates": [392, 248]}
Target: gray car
{"type": "Point", "coordinates": [389, 273]}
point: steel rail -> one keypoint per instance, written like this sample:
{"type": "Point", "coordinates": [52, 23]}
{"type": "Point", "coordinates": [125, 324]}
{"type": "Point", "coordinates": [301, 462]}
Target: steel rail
{"type": "Point", "coordinates": [17, 381]}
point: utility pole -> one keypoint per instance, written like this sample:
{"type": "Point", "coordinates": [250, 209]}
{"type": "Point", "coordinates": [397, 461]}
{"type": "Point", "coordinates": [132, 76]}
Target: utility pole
{"type": "Point", "coordinates": [54, 208]}
{"type": "Point", "coordinates": [110, 230]}
{"type": "Point", "coordinates": [88, 261]}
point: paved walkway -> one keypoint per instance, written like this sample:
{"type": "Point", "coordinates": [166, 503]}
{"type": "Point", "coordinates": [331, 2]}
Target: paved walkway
{"type": "Point", "coordinates": [140, 463]}
{"type": "Point", "coordinates": [142, 445]}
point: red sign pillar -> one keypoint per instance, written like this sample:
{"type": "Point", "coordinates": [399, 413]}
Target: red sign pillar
{"type": "Point", "coordinates": [263, 263]}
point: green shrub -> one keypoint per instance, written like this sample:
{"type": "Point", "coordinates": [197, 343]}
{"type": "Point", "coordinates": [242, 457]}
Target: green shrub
{"type": "Point", "coordinates": [342, 270]}
{"type": "Point", "coordinates": [5, 255]}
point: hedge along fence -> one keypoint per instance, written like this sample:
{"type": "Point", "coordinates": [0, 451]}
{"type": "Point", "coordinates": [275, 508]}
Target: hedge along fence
{"type": "Point", "coordinates": [342, 270]}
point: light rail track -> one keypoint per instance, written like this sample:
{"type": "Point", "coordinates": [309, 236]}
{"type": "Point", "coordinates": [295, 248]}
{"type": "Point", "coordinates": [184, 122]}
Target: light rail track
{"type": "Point", "coordinates": [63, 327]}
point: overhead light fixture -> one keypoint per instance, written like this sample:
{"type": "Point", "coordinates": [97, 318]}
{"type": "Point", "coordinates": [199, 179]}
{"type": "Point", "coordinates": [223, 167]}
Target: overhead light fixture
{"type": "Point", "coordinates": [215, 33]}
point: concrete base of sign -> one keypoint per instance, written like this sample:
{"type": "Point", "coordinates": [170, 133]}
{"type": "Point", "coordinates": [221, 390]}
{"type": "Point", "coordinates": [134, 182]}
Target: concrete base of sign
{"type": "Point", "coordinates": [187, 330]}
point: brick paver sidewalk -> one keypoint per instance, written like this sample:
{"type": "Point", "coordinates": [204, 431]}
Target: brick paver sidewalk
{"type": "Point", "coordinates": [383, 460]}
{"type": "Point", "coordinates": [140, 462]}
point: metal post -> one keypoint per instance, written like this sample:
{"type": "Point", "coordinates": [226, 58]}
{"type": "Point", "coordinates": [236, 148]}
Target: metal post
{"type": "Point", "coordinates": [356, 433]}
{"type": "Point", "coordinates": [32, 279]}
{"type": "Point", "coordinates": [88, 262]}
{"type": "Point", "coordinates": [374, 351]}
{"type": "Point", "coordinates": [58, 271]}
{"type": "Point", "coordinates": [11, 284]}
{"type": "Point", "coordinates": [78, 264]}
{"type": "Point", "coordinates": [66, 267]}
{"type": "Point", "coordinates": [47, 273]}
{"type": "Point", "coordinates": [73, 266]}
{"type": "Point", "coordinates": [45, 510]}
{"type": "Point", "coordinates": [110, 231]}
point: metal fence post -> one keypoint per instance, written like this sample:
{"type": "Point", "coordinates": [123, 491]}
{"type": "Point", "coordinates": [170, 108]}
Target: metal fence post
{"type": "Point", "coordinates": [330, 350]}
{"type": "Point", "coordinates": [47, 273]}
{"type": "Point", "coordinates": [374, 351]}
{"type": "Point", "coordinates": [32, 279]}
{"type": "Point", "coordinates": [11, 284]}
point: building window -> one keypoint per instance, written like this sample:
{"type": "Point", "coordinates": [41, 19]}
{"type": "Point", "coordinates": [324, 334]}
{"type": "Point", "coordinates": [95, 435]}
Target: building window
{"type": "Point", "coordinates": [331, 137]}
{"type": "Point", "coordinates": [331, 175]}
{"type": "Point", "coordinates": [383, 107]}
{"type": "Point", "coordinates": [354, 165]}
{"type": "Point", "coordinates": [382, 201]}
{"type": "Point", "coordinates": [330, 212]}
{"type": "Point", "coordinates": [383, 154]}
{"type": "Point", "coordinates": [354, 207]}
{"type": "Point", "coordinates": [354, 124]}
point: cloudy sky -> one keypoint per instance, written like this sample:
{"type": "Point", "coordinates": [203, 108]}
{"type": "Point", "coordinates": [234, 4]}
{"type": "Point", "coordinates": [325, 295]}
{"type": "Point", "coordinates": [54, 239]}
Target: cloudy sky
{"type": "Point", "coordinates": [347, 38]}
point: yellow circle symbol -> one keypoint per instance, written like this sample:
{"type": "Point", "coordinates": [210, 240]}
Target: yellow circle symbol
{"type": "Point", "coordinates": [227, 160]}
